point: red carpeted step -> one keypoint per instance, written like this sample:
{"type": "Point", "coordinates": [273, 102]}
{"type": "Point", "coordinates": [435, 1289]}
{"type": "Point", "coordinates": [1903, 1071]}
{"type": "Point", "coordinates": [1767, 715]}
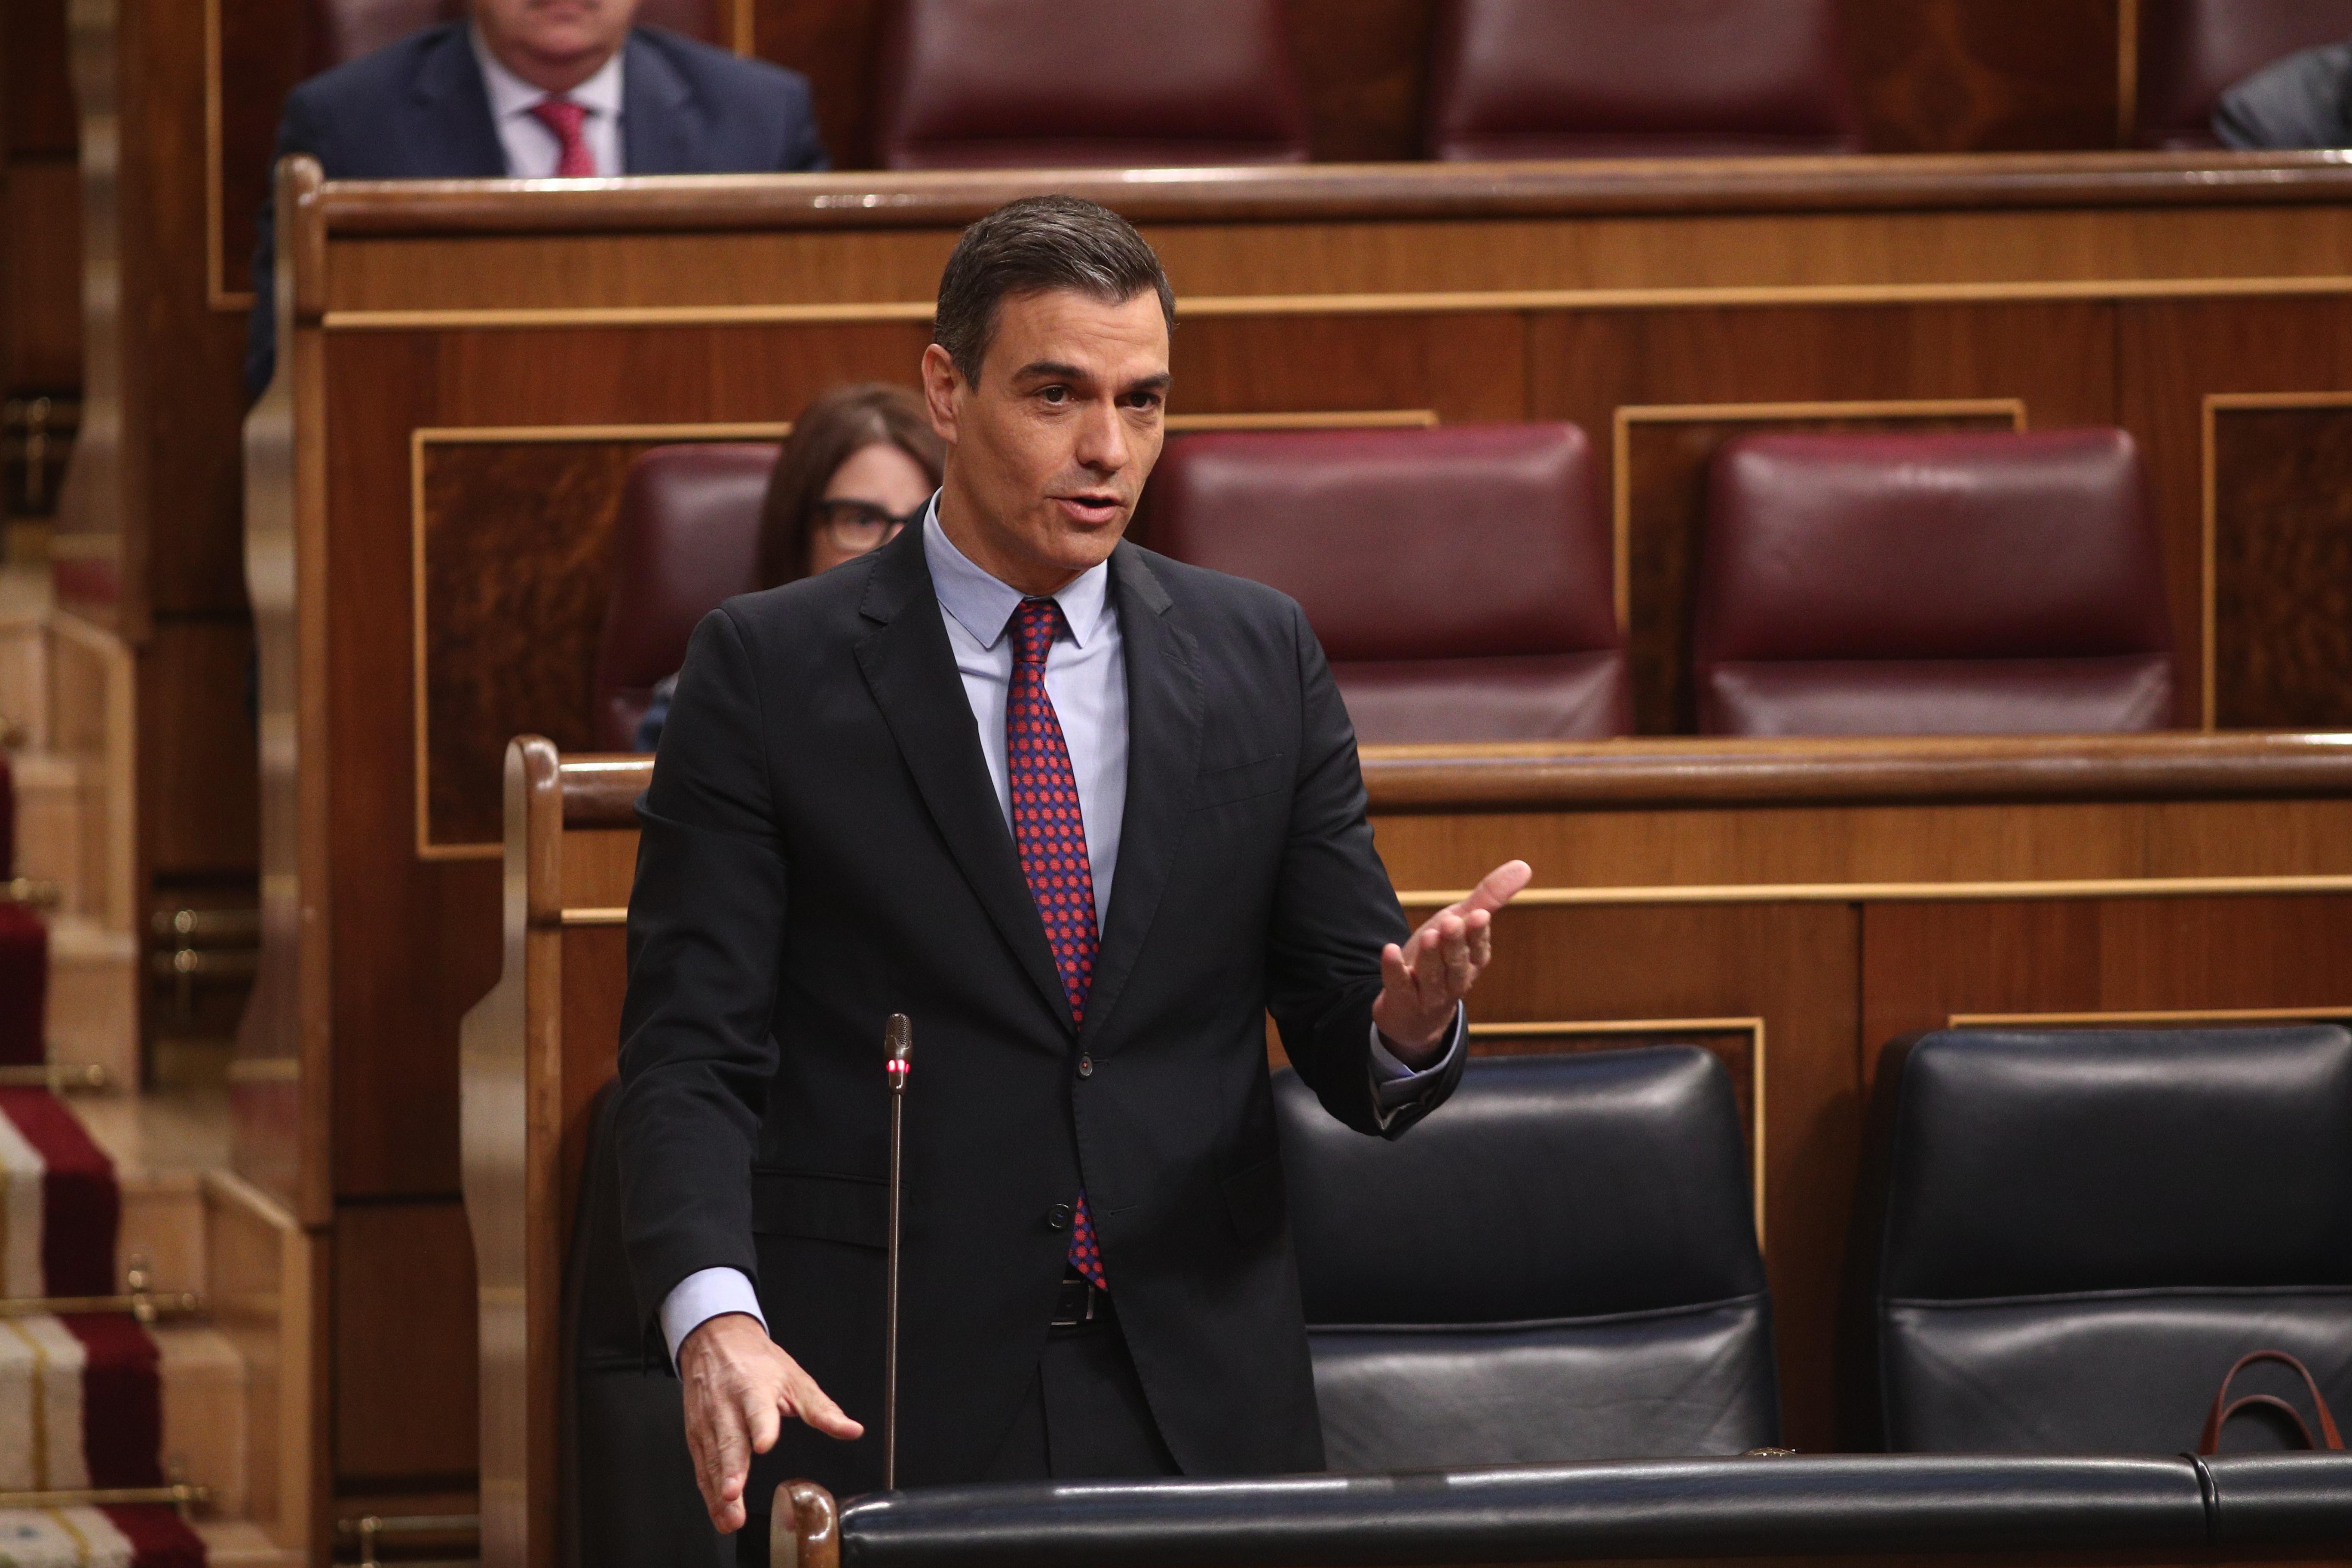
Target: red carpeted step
{"type": "Point", "coordinates": [142, 1537]}
{"type": "Point", "coordinates": [80, 1395]}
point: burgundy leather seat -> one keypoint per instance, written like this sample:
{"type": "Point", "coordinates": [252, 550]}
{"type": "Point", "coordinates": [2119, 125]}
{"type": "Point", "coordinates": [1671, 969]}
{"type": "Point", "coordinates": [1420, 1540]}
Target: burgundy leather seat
{"type": "Point", "coordinates": [1964, 583]}
{"type": "Point", "coordinates": [346, 29]}
{"type": "Point", "coordinates": [2193, 51]}
{"type": "Point", "coordinates": [1639, 78]}
{"type": "Point", "coordinates": [1459, 579]}
{"type": "Point", "coordinates": [998, 84]}
{"type": "Point", "coordinates": [687, 537]}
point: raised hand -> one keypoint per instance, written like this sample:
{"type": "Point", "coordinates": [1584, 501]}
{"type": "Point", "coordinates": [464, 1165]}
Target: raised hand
{"type": "Point", "coordinates": [1424, 981]}
{"type": "Point", "coordinates": [740, 1385]}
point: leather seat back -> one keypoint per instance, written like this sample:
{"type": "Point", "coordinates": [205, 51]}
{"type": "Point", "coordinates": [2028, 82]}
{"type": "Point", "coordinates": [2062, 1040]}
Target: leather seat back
{"type": "Point", "coordinates": [1560, 1265]}
{"type": "Point", "coordinates": [1639, 78]}
{"type": "Point", "coordinates": [688, 538]}
{"type": "Point", "coordinates": [992, 84]}
{"type": "Point", "coordinates": [1957, 583]}
{"type": "Point", "coordinates": [2193, 51]}
{"type": "Point", "coordinates": [346, 30]}
{"type": "Point", "coordinates": [1458, 578]}
{"type": "Point", "coordinates": [2067, 1238]}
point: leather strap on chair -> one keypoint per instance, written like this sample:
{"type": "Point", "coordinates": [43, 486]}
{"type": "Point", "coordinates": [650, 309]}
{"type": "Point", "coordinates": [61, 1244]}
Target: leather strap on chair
{"type": "Point", "coordinates": [2224, 1409]}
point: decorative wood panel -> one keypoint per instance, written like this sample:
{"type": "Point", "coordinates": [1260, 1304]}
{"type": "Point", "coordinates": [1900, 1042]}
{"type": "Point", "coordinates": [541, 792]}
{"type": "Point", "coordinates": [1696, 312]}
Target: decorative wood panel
{"type": "Point", "coordinates": [550, 498]}
{"type": "Point", "coordinates": [1985, 76]}
{"type": "Point", "coordinates": [404, 1348]}
{"type": "Point", "coordinates": [2280, 546]}
{"type": "Point", "coordinates": [1661, 457]}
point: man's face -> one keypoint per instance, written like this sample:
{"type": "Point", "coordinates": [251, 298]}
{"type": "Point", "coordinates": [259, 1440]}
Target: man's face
{"type": "Point", "coordinates": [1048, 450]}
{"type": "Point", "coordinates": [561, 39]}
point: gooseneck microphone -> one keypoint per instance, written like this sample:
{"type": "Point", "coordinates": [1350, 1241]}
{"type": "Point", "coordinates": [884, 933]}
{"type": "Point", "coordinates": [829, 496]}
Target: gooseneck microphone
{"type": "Point", "coordinates": [898, 1049]}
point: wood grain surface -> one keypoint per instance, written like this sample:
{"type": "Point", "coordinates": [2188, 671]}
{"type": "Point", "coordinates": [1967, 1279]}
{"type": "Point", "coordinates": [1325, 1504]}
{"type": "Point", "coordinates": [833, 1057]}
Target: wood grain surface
{"type": "Point", "coordinates": [2282, 567]}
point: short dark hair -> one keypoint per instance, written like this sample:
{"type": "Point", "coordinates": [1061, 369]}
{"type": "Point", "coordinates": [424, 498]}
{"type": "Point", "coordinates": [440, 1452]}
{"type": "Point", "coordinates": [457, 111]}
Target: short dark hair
{"type": "Point", "coordinates": [1033, 244]}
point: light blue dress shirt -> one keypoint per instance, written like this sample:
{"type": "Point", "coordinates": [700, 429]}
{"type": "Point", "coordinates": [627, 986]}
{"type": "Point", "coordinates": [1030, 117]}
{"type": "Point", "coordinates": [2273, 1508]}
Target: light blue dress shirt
{"type": "Point", "coordinates": [1086, 676]}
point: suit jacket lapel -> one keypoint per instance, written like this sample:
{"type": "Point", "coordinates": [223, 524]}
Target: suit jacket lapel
{"type": "Point", "coordinates": [911, 671]}
{"type": "Point", "coordinates": [1164, 709]}
{"type": "Point", "coordinates": [658, 124]}
{"type": "Point", "coordinates": [454, 111]}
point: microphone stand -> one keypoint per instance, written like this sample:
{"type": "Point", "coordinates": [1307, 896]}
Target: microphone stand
{"type": "Point", "coordinates": [898, 1044]}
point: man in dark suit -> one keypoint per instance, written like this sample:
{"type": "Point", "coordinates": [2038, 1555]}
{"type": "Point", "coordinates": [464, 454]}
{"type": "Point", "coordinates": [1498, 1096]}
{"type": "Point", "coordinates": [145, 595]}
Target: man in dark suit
{"type": "Point", "coordinates": [2302, 101]}
{"type": "Point", "coordinates": [907, 786]}
{"type": "Point", "coordinates": [535, 89]}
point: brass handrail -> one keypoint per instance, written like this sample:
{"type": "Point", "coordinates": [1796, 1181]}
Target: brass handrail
{"type": "Point", "coordinates": [367, 1526]}
{"type": "Point", "coordinates": [33, 892]}
{"type": "Point", "coordinates": [179, 1495]}
{"type": "Point", "coordinates": [55, 1076]}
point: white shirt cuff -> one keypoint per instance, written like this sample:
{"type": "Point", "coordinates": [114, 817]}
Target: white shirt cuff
{"type": "Point", "coordinates": [1395, 1084]}
{"type": "Point", "coordinates": [705, 1294]}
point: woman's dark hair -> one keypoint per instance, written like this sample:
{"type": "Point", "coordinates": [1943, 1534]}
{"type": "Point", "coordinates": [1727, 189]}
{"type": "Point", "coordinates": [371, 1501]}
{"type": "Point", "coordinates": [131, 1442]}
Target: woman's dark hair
{"type": "Point", "coordinates": [1033, 244]}
{"type": "Point", "coordinates": [829, 432]}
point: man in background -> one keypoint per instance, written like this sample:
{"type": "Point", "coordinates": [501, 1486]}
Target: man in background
{"type": "Point", "coordinates": [2298, 102]}
{"type": "Point", "coordinates": [535, 89]}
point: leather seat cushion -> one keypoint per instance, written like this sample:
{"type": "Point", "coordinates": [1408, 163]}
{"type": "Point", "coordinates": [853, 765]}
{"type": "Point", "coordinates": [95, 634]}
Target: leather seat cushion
{"type": "Point", "coordinates": [1689, 1380]}
{"type": "Point", "coordinates": [1939, 696]}
{"type": "Point", "coordinates": [1566, 697]}
{"type": "Point", "coordinates": [2120, 1373]}
{"type": "Point", "coordinates": [688, 538]}
{"type": "Point", "coordinates": [1553, 1187]}
{"type": "Point", "coordinates": [1365, 529]}
{"type": "Point", "coordinates": [982, 83]}
{"type": "Point", "coordinates": [2193, 51]}
{"type": "Point", "coordinates": [1721, 72]}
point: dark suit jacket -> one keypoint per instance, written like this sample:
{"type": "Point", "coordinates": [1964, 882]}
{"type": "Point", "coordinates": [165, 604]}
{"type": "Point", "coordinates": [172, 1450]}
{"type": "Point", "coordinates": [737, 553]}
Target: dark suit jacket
{"type": "Point", "coordinates": [2302, 101]}
{"type": "Point", "coordinates": [418, 109]}
{"type": "Point", "coordinates": [822, 848]}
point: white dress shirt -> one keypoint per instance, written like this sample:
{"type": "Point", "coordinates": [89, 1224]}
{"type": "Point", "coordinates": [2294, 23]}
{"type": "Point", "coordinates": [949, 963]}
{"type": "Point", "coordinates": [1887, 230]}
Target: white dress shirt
{"type": "Point", "coordinates": [1086, 676]}
{"type": "Point", "coordinates": [532, 148]}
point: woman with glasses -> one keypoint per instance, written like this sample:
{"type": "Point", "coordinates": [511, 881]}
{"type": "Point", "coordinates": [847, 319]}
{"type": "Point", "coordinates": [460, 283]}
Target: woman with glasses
{"type": "Point", "coordinates": [860, 464]}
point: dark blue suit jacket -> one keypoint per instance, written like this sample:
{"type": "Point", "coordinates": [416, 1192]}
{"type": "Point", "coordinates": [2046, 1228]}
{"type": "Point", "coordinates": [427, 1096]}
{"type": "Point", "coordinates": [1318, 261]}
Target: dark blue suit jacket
{"type": "Point", "coordinates": [418, 109]}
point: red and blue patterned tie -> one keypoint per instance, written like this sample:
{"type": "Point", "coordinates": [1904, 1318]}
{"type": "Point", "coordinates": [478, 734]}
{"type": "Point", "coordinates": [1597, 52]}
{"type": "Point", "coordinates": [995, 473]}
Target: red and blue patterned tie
{"type": "Point", "coordinates": [1051, 833]}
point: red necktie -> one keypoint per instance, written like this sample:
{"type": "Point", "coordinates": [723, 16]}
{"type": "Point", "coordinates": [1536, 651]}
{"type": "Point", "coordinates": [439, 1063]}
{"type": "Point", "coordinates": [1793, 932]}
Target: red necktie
{"type": "Point", "coordinates": [1051, 834]}
{"type": "Point", "coordinates": [565, 118]}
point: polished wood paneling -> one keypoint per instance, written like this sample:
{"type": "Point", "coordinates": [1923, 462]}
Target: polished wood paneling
{"type": "Point", "coordinates": [200, 800]}
{"type": "Point", "coordinates": [1662, 514]}
{"type": "Point", "coordinates": [1461, 367]}
{"type": "Point", "coordinates": [2173, 357]}
{"type": "Point", "coordinates": [1985, 76]}
{"type": "Point", "coordinates": [40, 205]}
{"type": "Point", "coordinates": [405, 1400]}
{"type": "Point", "coordinates": [261, 48]}
{"type": "Point", "coordinates": [1924, 963]}
{"type": "Point", "coordinates": [2281, 573]}
{"type": "Point", "coordinates": [485, 504]}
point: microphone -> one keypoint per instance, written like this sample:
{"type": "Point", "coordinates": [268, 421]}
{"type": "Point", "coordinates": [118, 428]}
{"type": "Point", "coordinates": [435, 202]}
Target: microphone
{"type": "Point", "coordinates": [898, 1049]}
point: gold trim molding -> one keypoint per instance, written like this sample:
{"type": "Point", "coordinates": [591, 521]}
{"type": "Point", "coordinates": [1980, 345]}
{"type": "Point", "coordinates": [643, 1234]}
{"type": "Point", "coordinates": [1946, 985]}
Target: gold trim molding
{"type": "Point", "coordinates": [2160, 1015]}
{"type": "Point", "coordinates": [1899, 892]}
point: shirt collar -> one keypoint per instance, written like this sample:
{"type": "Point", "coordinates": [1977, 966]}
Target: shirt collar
{"type": "Point", "coordinates": [511, 96]}
{"type": "Point", "coordinates": [983, 605]}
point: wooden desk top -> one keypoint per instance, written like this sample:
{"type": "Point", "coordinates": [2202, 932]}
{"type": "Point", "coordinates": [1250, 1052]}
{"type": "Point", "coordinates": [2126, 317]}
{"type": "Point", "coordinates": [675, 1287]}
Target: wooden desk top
{"type": "Point", "coordinates": [1654, 772]}
{"type": "Point", "coordinates": [885, 199]}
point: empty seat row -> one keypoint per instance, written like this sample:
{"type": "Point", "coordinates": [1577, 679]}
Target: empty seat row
{"type": "Point", "coordinates": [962, 84]}
{"type": "Point", "coordinates": [1463, 582]}
{"type": "Point", "coordinates": [2063, 1241]}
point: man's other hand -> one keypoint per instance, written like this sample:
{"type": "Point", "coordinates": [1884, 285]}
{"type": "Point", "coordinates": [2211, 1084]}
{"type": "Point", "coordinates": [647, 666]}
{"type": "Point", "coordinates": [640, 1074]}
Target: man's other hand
{"type": "Point", "coordinates": [1422, 982]}
{"type": "Point", "coordinates": [739, 1385]}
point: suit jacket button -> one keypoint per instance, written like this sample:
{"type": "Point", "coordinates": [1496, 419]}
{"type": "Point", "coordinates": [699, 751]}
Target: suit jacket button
{"type": "Point", "coordinates": [1058, 1217]}
{"type": "Point", "coordinates": [1085, 1067]}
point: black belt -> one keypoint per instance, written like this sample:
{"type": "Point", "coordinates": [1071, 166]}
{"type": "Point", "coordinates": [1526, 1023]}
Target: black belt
{"type": "Point", "coordinates": [1080, 1302]}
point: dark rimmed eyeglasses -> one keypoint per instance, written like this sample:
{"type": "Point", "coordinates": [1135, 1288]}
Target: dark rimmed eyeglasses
{"type": "Point", "coordinates": [857, 526]}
